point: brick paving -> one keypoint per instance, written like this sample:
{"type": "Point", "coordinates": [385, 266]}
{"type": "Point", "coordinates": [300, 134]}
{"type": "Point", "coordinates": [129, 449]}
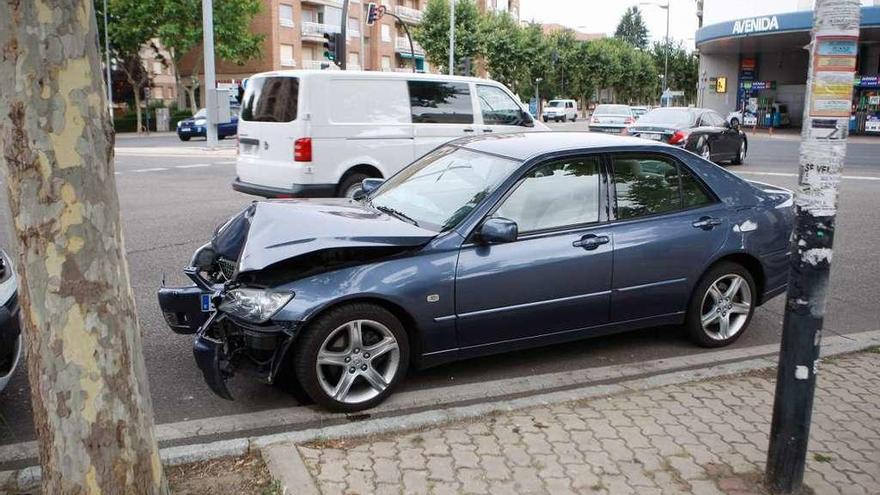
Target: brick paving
{"type": "Point", "coordinates": [701, 437]}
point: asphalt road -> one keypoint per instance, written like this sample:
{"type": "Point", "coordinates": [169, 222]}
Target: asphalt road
{"type": "Point", "coordinates": [173, 194]}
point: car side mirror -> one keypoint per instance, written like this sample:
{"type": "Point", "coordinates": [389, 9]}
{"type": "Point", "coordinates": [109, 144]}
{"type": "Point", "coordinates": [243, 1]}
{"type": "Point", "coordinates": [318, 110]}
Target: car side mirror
{"type": "Point", "coordinates": [497, 230]}
{"type": "Point", "coordinates": [526, 119]}
{"type": "Point", "coordinates": [367, 187]}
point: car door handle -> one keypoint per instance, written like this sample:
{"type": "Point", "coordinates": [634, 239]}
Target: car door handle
{"type": "Point", "coordinates": [591, 241]}
{"type": "Point", "coordinates": [468, 130]}
{"type": "Point", "coordinates": [707, 223]}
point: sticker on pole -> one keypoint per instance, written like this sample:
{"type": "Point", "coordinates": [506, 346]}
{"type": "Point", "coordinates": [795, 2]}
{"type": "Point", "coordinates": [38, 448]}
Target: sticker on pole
{"type": "Point", "coordinates": [833, 66]}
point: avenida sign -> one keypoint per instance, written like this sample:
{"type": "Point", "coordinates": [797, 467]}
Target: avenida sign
{"type": "Point", "coordinates": [756, 25]}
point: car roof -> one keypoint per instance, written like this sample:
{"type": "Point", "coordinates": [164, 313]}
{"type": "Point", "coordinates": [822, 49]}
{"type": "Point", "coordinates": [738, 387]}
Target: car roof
{"type": "Point", "coordinates": [522, 146]}
{"type": "Point", "coordinates": [364, 74]}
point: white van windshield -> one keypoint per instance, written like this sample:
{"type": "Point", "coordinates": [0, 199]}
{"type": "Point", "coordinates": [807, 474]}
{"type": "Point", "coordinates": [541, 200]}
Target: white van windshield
{"type": "Point", "coordinates": [270, 99]}
{"type": "Point", "coordinates": [556, 103]}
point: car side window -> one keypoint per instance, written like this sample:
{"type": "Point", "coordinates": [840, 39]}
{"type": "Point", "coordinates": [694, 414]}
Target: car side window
{"type": "Point", "coordinates": [645, 185]}
{"type": "Point", "coordinates": [497, 107]}
{"type": "Point", "coordinates": [556, 194]}
{"type": "Point", "coordinates": [693, 193]}
{"type": "Point", "coordinates": [436, 102]}
{"type": "Point", "coordinates": [714, 119]}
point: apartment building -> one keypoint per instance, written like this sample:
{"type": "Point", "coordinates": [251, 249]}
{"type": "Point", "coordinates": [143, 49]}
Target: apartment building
{"type": "Point", "coordinates": [294, 30]}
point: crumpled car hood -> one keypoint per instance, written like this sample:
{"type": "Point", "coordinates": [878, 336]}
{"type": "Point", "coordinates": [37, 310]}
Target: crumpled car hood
{"type": "Point", "coordinates": [284, 229]}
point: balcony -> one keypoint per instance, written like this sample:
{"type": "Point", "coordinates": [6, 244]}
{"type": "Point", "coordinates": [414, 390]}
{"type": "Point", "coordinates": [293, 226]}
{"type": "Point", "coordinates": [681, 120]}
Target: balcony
{"type": "Point", "coordinates": [401, 45]}
{"type": "Point", "coordinates": [329, 3]}
{"type": "Point", "coordinates": [313, 31]}
{"type": "Point", "coordinates": [408, 15]}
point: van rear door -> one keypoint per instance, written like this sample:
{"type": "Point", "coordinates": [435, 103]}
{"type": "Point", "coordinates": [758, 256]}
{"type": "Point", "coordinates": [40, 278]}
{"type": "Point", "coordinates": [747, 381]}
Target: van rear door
{"type": "Point", "coordinates": [441, 111]}
{"type": "Point", "coordinates": [267, 128]}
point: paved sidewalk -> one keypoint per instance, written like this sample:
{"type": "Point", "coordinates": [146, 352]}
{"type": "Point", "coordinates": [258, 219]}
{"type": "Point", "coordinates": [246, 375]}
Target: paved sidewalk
{"type": "Point", "coordinates": [700, 437]}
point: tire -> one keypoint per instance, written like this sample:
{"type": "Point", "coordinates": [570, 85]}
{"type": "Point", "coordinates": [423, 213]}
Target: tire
{"type": "Point", "coordinates": [705, 152]}
{"type": "Point", "coordinates": [331, 332]}
{"type": "Point", "coordinates": [184, 138]}
{"type": "Point", "coordinates": [703, 302]}
{"type": "Point", "coordinates": [740, 154]}
{"type": "Point", "coordinates": [545, 119]}
{"type": "Point", "coordinates": [350, 185]}
{"type": "Point", "coordinates": [565, 118]}
{"type": "Point", "coordinates": [574, 118]}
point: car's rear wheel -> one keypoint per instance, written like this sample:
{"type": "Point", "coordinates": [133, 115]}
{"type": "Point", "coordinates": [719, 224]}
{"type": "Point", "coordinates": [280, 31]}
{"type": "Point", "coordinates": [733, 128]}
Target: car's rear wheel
{"type": "Point", "coordinates": [722, 305]}
{"type": "Point", "coordinates": [740, 154]}
{"type": "Point", "coordinates": [706, 152]}
{"type": "Point", "coordinates": [352, 357]}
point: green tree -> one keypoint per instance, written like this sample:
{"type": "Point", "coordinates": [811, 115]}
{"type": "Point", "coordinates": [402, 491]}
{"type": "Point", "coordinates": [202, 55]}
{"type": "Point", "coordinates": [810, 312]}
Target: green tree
{"type": "Point", "coordinates": [562, 46]}
{"type": "Point", "coordinates": [433, 32]}
{"type": "Point", "coordinates": [632, 28]}
{"type": "Point", "coordinates": [683, 67]}
{"type": "Point", "coordinates": [504, 49]}
{"type": "Point", "coordinates": [180, 32]}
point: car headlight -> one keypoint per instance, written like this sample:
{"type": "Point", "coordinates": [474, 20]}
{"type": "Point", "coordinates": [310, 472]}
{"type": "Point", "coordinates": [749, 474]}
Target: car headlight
{"type": "Point", "coordinates": [201, 121]}
{"type": "Point", "coordinates": [254, 305]}
{"type": "Point", "coordinates": [8, 282]}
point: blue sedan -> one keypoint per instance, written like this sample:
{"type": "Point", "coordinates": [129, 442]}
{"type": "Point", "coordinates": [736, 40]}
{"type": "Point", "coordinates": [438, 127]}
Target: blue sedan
{"type": "Point", "coordinates": [483, 245]}
{"type": "Point", "coordinates": [196, 126]}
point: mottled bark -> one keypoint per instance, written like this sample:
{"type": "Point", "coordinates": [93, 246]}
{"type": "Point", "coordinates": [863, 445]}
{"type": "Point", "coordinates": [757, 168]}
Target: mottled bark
{"type": "Point", "coordinates": [91, 402]}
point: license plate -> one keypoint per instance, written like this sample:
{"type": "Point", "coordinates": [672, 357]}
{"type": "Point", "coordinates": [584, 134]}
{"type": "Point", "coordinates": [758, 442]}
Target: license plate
{"type": "Point", "coordinates": [185, 129]}
{"type": "Point", "coordinates": [207, 303]}
{"type": "Point", "coordinates": [655, 137]}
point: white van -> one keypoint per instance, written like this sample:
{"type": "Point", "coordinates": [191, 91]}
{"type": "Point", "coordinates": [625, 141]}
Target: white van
{"type": "Point", "coordinates": [320, 133]}
{"type": "Point", "coordinates": [563, 110]}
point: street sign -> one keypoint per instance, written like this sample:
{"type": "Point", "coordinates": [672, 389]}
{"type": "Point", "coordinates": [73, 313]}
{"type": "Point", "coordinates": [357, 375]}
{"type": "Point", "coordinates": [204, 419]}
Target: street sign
{"type": "Point", "coordinates": [721, 85]}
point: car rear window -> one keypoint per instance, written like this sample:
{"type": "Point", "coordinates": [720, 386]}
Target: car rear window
{"type": "Point", "coordinates": [436, 102]}
{"type": "Point", "coordinates": [270, 99]}
{"type": "Point", "coordinates": [613, 110]}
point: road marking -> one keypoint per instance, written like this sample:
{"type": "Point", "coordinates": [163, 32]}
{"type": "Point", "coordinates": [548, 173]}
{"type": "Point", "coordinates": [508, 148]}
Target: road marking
{"type": "Point", "coordinates": [232, 162]}
{"type": "Point", "coordinates": [194, 165]}
{"type": "Point", "coordinates": [781, 174]}
{"type": "Point", "coordinates": [142, 170]}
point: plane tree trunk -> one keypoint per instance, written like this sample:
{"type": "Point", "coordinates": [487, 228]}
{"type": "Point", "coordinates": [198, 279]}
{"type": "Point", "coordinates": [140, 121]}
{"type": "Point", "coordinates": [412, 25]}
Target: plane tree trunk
{"type": "Point", "coordinates": [91, 401]}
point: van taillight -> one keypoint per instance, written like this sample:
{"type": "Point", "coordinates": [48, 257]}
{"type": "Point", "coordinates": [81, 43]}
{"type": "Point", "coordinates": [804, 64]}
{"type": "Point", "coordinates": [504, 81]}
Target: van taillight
{"type": "Point", "coordinates": [302, 150]}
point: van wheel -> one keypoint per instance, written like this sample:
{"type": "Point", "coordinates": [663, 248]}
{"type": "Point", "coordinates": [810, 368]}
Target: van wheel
{"type": "Point", "coordinates": [352, 357]}
{"type": "Point", "coordinates": [351, 185]}
{"type": "Point", "coordinates": [574, 118]}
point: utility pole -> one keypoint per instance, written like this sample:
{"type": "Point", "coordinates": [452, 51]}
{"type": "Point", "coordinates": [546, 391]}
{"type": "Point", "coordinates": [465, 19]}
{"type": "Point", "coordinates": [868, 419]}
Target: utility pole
{"type": "Point", "coordinates": [210, 81]}
{"type": "Point", "coordinates": [833, 53]}
{"type": "Point", "coordinates": [343, 28]}
{"type": "Point", "coordinates": [666, 54]}
{"type": "Point", "coordinates": [451, 37]}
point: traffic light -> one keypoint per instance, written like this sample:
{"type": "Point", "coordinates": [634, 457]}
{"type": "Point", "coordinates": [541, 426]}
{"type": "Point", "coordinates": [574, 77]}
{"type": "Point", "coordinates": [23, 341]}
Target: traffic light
{"type": "Point", "coordinates": [333, 48]}
{"type": "Point", "coordinates": [372, 14]}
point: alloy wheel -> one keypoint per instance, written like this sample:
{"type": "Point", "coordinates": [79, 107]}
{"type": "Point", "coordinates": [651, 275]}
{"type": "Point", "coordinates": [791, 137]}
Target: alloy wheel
{"type": "Point", "coordinates": [726, 307]}
{"type": "Point", "coordinates": [742, 151]}
{"type": "Point", "coordinates": [706, 153]}
{"type": "Point", "coordinates": [357, 361]}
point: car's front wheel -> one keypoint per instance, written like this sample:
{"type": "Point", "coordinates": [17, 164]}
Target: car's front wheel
{"type": "Point", "coordinates": [706, 152]}
{"type": "Point", "coordinates": [352, 357]}
{"type": "Point", "coordinates": [183, 138]}
{"type": "Point", "coordinates": [740, 154]}
{"type": "Point", "coordinates": [722, 305]}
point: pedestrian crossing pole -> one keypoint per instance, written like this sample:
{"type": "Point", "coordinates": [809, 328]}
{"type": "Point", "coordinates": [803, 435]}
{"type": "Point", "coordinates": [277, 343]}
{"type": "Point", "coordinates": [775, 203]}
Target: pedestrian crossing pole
{"type": "Point", "coordinates": [833, 52]}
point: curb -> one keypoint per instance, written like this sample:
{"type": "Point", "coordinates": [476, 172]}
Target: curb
{"type": "Point", "coordinates": [285, 463]}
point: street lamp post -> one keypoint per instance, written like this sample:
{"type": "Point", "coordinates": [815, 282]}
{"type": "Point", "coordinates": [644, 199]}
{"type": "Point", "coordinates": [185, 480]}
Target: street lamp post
{"type": "Point", "coordinates": [451, 37]}
{"type": "Point", "coordinates": [666, 45]}
{"type": "Point", "coordinates": [538, 97]}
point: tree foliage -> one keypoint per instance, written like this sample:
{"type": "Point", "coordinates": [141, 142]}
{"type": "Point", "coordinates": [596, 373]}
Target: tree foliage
{"type": "Point", "coordinates": [683, 67]}
{"type": "Point", "coordinates": [180, 32]}
{"type": "Point", "coordinates": [632, 28]}
{"type": "Point", "coordinates": [433, 32]}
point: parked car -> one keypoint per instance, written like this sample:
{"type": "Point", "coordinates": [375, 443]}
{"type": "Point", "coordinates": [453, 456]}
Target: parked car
{"type": "Point", "coordinates": [701, 131]}
{"type": "Point", "coordinates": [197, 126]}
{"type": "Point", "coordinates": [481, 246]}
{"type": "Point", "coordinates": [639, 111]}
{"type": "Point", "coordinates": [320, 133]}
{"type": "Point", "coordinates": [563, 110]}
{"type": "Point", "coordinates": [11, 347]}
{"type": "Point", "coordinates": [611, 118]}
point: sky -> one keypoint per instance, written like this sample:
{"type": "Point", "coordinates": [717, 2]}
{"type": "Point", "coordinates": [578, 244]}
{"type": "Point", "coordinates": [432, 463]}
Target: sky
{"type": "Point", "coordinates": [602, 16]}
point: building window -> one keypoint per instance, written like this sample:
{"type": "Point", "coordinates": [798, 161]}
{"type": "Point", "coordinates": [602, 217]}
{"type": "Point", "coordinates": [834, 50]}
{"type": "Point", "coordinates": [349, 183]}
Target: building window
{"type": "Point", "coordinates": [354, 28]}
{"type": "Point", "coordinates": [158, 94]}
{"type": "Point", "coordinates": [386, 63]}
{"type": "Point", "coordinates": [354, 59]}
{"type": "Point", "coordinates": [287, 59]}
{"type": "Point", "coordinates": [285, 15]}
{"type": "Point", "coordinates": [386, 33]}
{"type": "Point", "coordinates": [157, 67]}
{"type": "Point", "coordinates": [309, 15]}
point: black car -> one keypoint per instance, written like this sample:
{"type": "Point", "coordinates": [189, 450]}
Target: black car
{"type": "Point", "coordinates": [698, 130]}
{"type": "Point", "coordinates": [196, 126]}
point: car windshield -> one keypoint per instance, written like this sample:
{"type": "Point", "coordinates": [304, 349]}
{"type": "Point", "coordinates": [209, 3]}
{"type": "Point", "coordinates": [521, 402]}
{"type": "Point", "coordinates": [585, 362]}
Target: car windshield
{"type": "Point", "coordinates": [673, 117]}
{"type": "Point", "coordinates": [201, 114]}
{"type": "Point", "coordinates": [555, 103]}
{"type": "Point", "coordinates": [613, 110]}
{"type": "Point", "coordinates": [440, 189]}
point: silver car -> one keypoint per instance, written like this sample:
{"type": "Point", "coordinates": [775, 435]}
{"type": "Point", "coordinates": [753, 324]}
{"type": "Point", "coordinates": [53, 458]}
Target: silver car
{"type": "Point", "coordinates": [611, 118]}
{"type": "Point", "coordinates": [10, 330]}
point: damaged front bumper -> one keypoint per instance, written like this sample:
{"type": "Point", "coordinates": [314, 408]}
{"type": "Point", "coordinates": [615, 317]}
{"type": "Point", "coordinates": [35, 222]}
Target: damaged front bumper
{"type": "Point", "coordinates": [224, 345]}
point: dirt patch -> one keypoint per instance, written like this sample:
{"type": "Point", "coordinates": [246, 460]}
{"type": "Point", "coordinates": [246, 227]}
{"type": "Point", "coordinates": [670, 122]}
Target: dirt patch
{"type": "Point", "coordinates": [246, 475]}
